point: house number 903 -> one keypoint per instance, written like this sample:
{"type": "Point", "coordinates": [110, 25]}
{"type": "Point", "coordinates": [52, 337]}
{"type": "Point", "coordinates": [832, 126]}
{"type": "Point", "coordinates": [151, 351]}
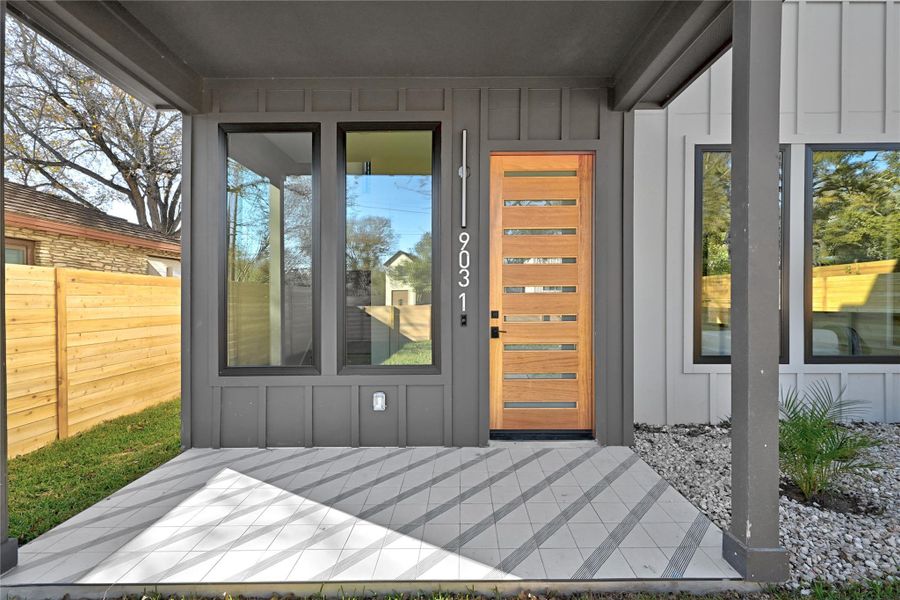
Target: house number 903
{"type": "Point", "coordinates": [463, 260]}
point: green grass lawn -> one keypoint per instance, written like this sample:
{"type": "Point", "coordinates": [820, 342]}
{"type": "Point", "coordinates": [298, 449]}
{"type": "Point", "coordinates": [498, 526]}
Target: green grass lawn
{"type": "Point", "coordinates": [412, 353]}
{"type": "Point", "coordinates": [58, 481]}
{"type": "Point", "coordinates": [870, 591]}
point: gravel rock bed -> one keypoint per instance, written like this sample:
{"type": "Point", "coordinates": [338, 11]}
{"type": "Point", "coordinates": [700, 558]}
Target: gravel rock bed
{"type": "Point", "coordinates": [823, 544]}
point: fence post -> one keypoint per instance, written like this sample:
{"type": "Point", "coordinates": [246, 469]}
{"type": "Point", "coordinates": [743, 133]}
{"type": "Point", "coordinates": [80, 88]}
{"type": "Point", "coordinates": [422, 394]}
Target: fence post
{"type": "Point", "coordinates": [62, 375]}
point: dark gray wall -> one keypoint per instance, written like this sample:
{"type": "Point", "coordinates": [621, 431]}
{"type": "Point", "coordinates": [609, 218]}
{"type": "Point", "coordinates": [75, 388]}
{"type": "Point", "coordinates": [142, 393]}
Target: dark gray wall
{"type": "Point", "coordinates": [445, 408]}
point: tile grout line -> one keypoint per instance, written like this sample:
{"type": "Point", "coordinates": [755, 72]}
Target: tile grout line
{"type": "Point", "coordinates": [601, 554]}
{"type": "Point", "coordinates": [682, 556]}
{"type": "Point", "coordinates": [364, 553]}
{"type": "Point", "coordinates": [502, 512]}
{"type": "Point", "coordinates": [544, 533]}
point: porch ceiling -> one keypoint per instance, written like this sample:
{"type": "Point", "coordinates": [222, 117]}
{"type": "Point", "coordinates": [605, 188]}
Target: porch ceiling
{"type": "Point", "coordinates": [162, 51]}
{"type": "Point", "coordinates": [387, 39]}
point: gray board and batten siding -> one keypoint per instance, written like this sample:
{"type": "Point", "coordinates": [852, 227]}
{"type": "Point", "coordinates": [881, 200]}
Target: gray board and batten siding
{"type": "Point", "coordinates": [447, 405]}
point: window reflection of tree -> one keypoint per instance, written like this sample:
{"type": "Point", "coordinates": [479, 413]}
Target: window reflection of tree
{"type": "Point", "coordinates": [248, 243]}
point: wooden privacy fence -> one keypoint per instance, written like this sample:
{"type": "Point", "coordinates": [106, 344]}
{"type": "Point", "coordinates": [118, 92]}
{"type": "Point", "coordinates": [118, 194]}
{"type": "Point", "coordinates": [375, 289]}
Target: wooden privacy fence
{"type": "Point", "coordinates": [865, 287]}
{"type": "Point", "coordinates": [86, 346]}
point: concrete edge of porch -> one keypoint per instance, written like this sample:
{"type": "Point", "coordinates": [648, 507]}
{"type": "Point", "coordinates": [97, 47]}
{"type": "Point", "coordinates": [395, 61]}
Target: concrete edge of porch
{"type": "Point", "coordinates": [347, 589]}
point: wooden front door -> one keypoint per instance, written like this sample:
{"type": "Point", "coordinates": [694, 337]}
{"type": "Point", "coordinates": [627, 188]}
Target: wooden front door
{"type": "Point", "coordinates": [541, 292]}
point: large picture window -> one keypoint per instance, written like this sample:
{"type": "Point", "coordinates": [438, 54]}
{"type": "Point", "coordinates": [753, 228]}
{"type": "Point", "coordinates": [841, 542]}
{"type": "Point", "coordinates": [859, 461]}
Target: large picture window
{"type": "Point", "coordinates": [853, 247]}
{"type": "Point", "coordinates": [389, 177]}
{"type": "Point", "coordinates": [270, 229]}
{"type": "Point", "coordinates": [712, 255]}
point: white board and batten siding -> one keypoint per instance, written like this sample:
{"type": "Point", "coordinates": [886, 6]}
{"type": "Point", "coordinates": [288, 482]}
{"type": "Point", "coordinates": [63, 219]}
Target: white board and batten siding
{"type": "Point", "coordinates": [840, 83]}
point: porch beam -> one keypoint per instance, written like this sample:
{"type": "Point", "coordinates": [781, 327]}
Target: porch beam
{"type": "Point", "coordinates": [751, 545]}
{"type": "Point", "coordinates": [8, 546]}
{"type": "Point", "coordinates": [106, 37]}
{"type": "Point", "coordinates": [679, 44]}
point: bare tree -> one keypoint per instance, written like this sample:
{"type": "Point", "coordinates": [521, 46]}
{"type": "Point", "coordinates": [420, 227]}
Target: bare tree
{"type": "Point", "coordinates": [70, 130]}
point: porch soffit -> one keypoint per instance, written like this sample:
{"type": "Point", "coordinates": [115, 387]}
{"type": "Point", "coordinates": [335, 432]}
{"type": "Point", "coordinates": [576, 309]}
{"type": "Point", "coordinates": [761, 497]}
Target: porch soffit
{"type": "Point", "coordinates": [162, 51]}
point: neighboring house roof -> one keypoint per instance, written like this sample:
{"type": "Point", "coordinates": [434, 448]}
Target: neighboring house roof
{"type": "Point", "coordinates": [31, 208]}
{"type": "Point", "coordinates": [397, 256]}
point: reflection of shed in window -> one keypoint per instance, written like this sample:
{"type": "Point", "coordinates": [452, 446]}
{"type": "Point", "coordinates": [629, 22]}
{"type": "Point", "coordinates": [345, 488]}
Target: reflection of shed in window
{"type": "Point", "coordinates": [163, 267]}
{"type": "Point", "coordinates": [397, 293]}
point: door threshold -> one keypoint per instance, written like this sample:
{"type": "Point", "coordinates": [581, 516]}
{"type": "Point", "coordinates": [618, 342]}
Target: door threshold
{"type": "Point", "coordinates": [546, 435]}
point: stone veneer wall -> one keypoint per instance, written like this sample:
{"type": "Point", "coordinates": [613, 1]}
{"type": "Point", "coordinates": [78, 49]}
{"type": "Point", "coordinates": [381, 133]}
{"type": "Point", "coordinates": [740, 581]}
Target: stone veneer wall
{"type": "Point", "coordinates": [59, 250]}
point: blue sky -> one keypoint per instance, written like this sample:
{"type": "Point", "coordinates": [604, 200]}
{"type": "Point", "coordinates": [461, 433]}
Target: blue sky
{"type": "Point", "coordinates": [404, 199]}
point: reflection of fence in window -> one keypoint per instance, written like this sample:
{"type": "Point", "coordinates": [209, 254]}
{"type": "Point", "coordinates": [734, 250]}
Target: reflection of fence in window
{"type": "Point", "coordinates": [855, 308]}
{"type": "Point", "coordinates": [297, 337]}
{"type": "Point", "coordinates": [859, 287]}
{"type": "Point", "coordinates": [407, 323]}
{"type": "Point", "coordinates": [868, 287]}
{"type": "Point", "coordinates": [248, 323]}
{"type": "Point", "coordinates": [854, 305]}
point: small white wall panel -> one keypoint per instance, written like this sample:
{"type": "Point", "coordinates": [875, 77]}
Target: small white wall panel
{"type": "Point", "coordinates": [721, 405]}
{"type": "Point", "coordinates": [720, 96]}
{"type": "Point", "coordinates": [892, 70]}
{"type": "Point", "coordinates": [863, 68]}
{"type": "Point", "coordinates": [695, 99]}
{"type": "Point", "coordinates": [833, 380]}
{"type": "Point", "coordinates": [867, 388]}
{"type": "Point", "coordinates": [693, 398]}
{"type": "Point", "coordinates": [786, 381]}
{"type": "Point", "coordinates": [789, 20]}
{"type": "Point", "coordinates": [893, 398]}
{"type": "Point", "coordinates": [820, 68]}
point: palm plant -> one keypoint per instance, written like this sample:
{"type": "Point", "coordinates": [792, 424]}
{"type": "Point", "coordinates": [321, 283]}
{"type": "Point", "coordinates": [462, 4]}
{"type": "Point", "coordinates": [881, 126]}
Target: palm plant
{"type": "Point", "coordinates": [814, 448]}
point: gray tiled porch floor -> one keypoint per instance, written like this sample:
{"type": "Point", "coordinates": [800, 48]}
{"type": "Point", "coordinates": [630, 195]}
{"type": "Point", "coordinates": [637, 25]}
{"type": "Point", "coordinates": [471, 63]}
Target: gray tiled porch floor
{"type": "Point", "coordinates": [527, 511]}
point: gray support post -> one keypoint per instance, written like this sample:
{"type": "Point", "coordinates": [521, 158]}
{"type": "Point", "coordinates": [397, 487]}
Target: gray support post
{"type": "Point", "coordinates": [628, 281]}
{"type": "Point", "coordinates": [9, 551]}
{"type": "Point", "coordinates": [187, 165]}
{"type": "Point", "coordinates": [751, 545]}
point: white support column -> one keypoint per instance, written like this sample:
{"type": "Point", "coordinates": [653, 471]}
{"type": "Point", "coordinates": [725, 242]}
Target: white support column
{"type": "Point", "coordinates": [752, 545]}
{"type": "Point", "coordinates": [276, 241]}
{"type": "Point", "coordinates": [8, 546]}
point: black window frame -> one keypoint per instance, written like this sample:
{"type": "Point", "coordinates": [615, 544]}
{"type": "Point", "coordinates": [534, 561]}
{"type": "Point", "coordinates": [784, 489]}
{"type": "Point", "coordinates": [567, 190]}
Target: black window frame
{"type": "Point", "coordinates": [343, 128]}
{"type": "Point", "coordinates": [808, 356]}
{"type": "Point", "coordinates": [784, 317]}
{"type": "Point", "coordinates": [244, 371]}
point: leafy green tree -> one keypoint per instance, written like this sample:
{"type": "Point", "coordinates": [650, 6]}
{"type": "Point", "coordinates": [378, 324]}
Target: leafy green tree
{"type": "Point", "coordinates": [298, 229]}
{"type": "Point", "coordinates": [248, 225]}
{"type": "Point", "coordinates": [716, 212]}
{"type": "Point", "coordinates": [856, 213]}
{"type": "Point", "coordinates": [369, 240]}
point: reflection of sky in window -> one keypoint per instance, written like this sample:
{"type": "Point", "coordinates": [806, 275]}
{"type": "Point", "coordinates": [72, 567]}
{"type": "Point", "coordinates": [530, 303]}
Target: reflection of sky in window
{"type": "Point", "coordinates": [860, 158]}
{"type": "Point", "coordinates": [404, 199]}
{"type": "Point", "coordinates": [876, 158]}
{"type": "Point", "coordinates": [250, 226]}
